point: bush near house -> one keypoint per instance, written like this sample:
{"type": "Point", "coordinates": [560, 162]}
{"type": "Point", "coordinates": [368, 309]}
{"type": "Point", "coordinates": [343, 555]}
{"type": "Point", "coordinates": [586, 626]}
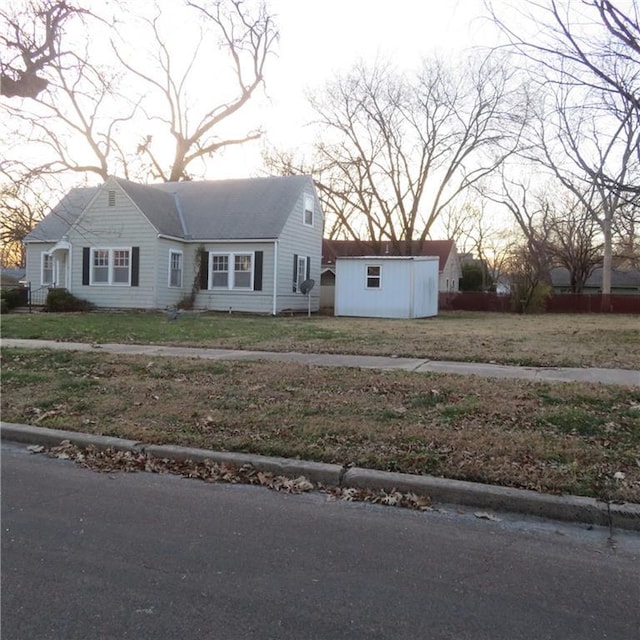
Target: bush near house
{"type": "Point", "coordinates": [12, 298]}
{"type": "Point", "coordinates": [63, 300]}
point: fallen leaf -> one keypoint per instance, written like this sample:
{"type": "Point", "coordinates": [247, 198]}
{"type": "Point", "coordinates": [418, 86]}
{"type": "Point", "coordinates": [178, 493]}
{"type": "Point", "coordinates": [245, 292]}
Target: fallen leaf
{"type": "Point", "coordinates": [483, 515]}
{"type": "Point", "coordinates": [35, 448]}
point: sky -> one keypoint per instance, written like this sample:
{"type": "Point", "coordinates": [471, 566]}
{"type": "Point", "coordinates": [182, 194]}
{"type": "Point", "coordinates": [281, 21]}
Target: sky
{"type": "Point", "coordinates": [318, 39]}
{"type": "Point", "coordinates": [322, 38]}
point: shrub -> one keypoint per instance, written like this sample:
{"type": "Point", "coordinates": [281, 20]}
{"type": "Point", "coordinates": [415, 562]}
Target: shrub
{"type": "Point", "coordinates": [12, 298]}
{"type": "Point", "coordinates": [63, 300]}
{"type": "Point", "coordinates": [531, 299]}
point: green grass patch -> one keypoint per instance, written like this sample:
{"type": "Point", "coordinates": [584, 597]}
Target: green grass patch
{"type": "Point", "coordinates": [574, 420]}
{"type": "Point", "coordinates": [457, 411]}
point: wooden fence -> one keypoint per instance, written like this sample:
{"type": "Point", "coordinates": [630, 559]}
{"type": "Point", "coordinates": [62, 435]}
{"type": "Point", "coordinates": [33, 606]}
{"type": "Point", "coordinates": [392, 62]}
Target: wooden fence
{"type": "Point", "coordinates": [558, 303]}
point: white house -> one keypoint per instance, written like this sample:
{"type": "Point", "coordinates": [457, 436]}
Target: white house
{"type": "Point", "coordinates": [386, 286]}
{"type": "Point", "coordinates": [240, 245]}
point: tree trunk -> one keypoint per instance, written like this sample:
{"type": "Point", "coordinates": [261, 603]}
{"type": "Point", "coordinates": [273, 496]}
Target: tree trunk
{"type": "Point", "coordinates": [607, 257]}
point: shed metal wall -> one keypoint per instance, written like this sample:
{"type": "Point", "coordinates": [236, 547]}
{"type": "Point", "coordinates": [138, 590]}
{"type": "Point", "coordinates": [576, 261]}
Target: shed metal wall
{"type": "Point", "coordinates": [408, 287]}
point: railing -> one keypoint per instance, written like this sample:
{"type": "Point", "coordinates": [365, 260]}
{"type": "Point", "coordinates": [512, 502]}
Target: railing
{"type": "Point", "coordinates": [37, 297]}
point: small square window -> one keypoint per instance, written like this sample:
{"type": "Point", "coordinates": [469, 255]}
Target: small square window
{"type": "Point", "coordinates": [374, 273]}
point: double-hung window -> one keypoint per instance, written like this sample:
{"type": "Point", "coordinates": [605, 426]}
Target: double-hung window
{"type": "Point", "coordinates": [175, 268]}
{"type": "Point", "coordinates": [111, 266]}
{"type": "Point", "coordinates": [231, 270]}
{"type": "Point", "coordinates": [301, 272]}
{"type": "Point", "coordinates": [308, 210]}
{"type": "Point", "coordinates": [374, 276]}
{"type": "Point", "coordinates": [220, 271]}
{"type": "Point", "coordinates": [100, 266]}
{"type": "Point", "coordinates": [47, 268]}
{"type": "Point", "coordinates": [242, 271]}
{"type": "Point", "coordinates": [121, 265]}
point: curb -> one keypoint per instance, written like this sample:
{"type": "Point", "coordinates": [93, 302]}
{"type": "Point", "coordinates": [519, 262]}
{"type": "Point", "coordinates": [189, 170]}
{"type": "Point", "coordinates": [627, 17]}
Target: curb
{"type": "Point", "coordinates": [565, 508]}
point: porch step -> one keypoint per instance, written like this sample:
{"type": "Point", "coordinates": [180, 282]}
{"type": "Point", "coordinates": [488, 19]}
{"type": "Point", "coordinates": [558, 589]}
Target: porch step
{"type": "Point", "coordinates": [35, 308]}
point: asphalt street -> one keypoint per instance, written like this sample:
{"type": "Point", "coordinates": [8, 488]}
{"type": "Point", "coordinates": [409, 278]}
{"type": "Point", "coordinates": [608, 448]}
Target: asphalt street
{"type": "Point", "coordinates": [90, 555]}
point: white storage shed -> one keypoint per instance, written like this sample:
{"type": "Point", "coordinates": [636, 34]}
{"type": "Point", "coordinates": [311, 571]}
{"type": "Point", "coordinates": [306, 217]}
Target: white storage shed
{"type": "Point", "coordinates": [387, 286]}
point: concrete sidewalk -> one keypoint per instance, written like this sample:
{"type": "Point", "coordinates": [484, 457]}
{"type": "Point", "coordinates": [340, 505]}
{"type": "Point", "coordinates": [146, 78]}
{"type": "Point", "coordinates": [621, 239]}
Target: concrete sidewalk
{"type": "Point", "coordinates": [624, 377]}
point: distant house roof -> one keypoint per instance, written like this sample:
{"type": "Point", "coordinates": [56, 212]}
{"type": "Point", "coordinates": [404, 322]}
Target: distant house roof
{"type": "Point", "coordinates": [620, 278]}
{"type": "Point", "coordinates": [255, 208]}
{"type": "Point", "coordinates": [332, 249]}
{"type": "Point", "coordinates": [11, 276]}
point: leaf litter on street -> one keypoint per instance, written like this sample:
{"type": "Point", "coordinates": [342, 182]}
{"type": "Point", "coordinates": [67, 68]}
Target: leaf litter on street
{"type": "Point", "coordinates": [112, 460]}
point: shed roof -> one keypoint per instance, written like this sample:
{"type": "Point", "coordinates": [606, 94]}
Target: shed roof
{"type": "Point", "coordinates": [332, 249]}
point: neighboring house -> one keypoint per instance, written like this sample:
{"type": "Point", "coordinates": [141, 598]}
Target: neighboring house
{"type": "Point", "coordinates": [232, 245]}
{"type": "Point", "coordinates": [623, 281]}
{"type": "Point", "coordinates": [386, 286]}
{"type": "Point", "coordinates": [10, 277]}
{"type": "Point", "coordinates": [449, 270]}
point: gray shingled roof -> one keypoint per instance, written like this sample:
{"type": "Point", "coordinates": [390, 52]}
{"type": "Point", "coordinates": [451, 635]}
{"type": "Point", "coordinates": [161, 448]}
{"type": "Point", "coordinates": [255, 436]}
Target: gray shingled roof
{"type": "Point", "coordinates": [235, 209]}
{"type": "Point", "coordinates": [58, 221]}
{"type": "Point", "coordinates": [622, 278]}
{"type": "Point", "coordinates": [254, 208]}
{"type": "Point", "coordinates": [159, 207]}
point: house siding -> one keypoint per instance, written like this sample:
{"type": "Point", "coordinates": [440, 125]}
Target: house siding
{"type": "Point", "coordinates": [33, 273]}
{"type": "Point", "coordinates": [112, 220]}
{"type": "Point", "coordinates": [450, 276]}
{"type": "Point", "coordinates": [242, 300]}
{"type": "Point", "coordinates": [302, 240]}
{"type": "Point", "coordinates": [122, 225]}
{"type": "Point", "coordinates": [170, 296]}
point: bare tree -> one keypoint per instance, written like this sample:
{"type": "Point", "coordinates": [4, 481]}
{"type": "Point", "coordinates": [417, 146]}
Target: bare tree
{"type": "Point", "coordinates": [527, 275]}
{"type": "Point", "coordinates": [592, 44]}
{"type": "Point", "coordinates": [557, 228]}
{"type": "Point", "coordinates": [248, 39]}
{"type": "Point", "coordinates": [23, 203]}
{"type": "Point", "coordinates": [32, 42]}
{"type": "Point", "coordinates": [626, 237]}
{"type": "Point", "coordinates": [395, 152]}
{"type": "Point", "coordinates": [574, 240]}
{"type": "Point", "coordinates": [86, 119]}
{"type": "Point", "coordinates": [73, 123]}
{"type": "Point", "coordinates": [585, 57]}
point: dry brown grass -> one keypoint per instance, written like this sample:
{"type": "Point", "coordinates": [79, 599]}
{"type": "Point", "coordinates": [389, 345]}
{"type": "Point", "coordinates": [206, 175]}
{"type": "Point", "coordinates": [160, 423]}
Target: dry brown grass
{"type": "Point", "coordinates": [595, 340]}
{"type": "Point", "coordinates": [569, 438]}
{"type": "Point", "coordinates": [609, 341]}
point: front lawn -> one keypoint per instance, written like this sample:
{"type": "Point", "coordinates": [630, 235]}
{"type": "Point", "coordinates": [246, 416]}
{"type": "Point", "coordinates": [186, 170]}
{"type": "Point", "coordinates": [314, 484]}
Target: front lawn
{"type": "Point", "coordinates": [563, 438]}
{"type": "Point", "coordinates": [596, 340]}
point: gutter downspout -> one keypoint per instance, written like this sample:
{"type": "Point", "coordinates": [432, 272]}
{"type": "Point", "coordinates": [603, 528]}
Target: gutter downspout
{"type": "Point", "coordinates": [274, 310]}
